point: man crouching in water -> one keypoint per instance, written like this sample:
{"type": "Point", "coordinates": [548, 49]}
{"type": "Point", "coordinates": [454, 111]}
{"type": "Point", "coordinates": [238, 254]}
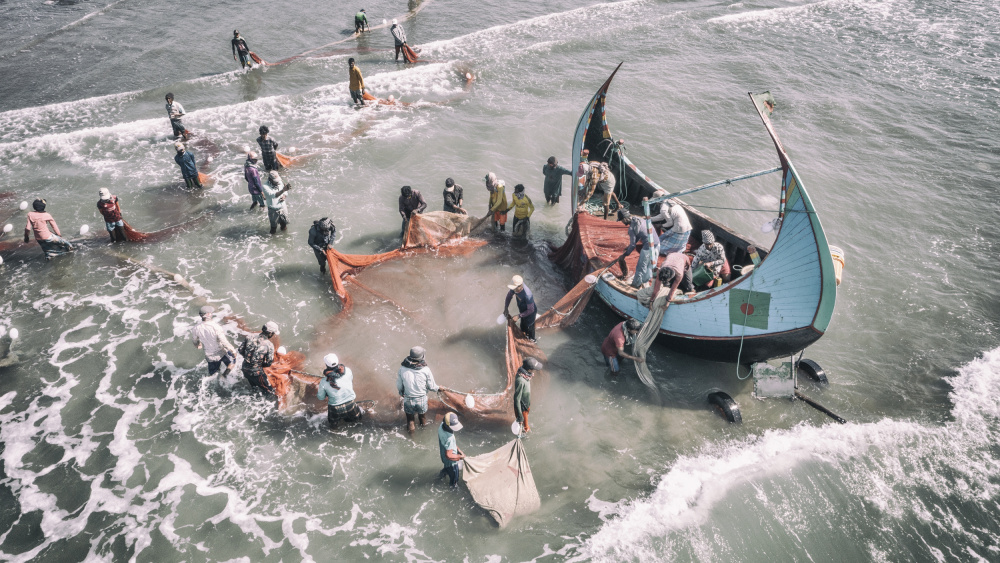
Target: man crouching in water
{"type": "Point", "coordinates": [338, 388]}
{"type": "Point", "coordinates": [258, 353]}
{"type": "Point", "coordinates": [413, 381]}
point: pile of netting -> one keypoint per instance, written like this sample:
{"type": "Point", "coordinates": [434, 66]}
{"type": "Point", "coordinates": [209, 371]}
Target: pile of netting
{"type": "Point", "coordinates": [501, 482]}
{"type": "Point", "coordinates": [592, 245]}
{"type": "Point", "coordinates": [439, 231]}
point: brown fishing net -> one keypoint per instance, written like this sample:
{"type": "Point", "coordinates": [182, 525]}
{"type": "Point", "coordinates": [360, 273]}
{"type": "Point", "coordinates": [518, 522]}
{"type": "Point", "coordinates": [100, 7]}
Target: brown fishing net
{"type": "Point", "coordinates": [409, 54]}
{"type": "Point", "coordinates": [438, 231]}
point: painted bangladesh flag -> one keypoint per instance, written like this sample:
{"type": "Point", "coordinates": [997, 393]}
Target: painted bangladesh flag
{"type": "Point", "coordinates": [748, 308]}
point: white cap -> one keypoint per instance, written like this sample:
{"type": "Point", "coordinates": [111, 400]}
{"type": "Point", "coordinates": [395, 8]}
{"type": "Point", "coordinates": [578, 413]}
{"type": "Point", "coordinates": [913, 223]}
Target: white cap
{"type": "Point", "coordinates": [252, 155]}
{"type": "Point", "coordinates": [394, 22]}
{"type": "Point", "coordinates": [271, 327]}
{"type": "Point", "coordinates": [105, 193]}
{"type": "Point", "coordinates": [179, 145]}
{"type": "Point", "coordinates": [515, 282]}
{"type": "Point", "coordinates": [331, 360]}
{"type": "Point", "coordinates": [451, 419]}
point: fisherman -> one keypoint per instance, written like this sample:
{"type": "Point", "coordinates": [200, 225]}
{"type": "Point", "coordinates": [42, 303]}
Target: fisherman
{"type": "Point", "coordinates": [413, 381]}
{"type": "Point", "coordinates": [602, 179]}
{"type": "Point", "coordinates": [525, 306]}
{"type": "Point", "coordinates": [321, 237]}
{"type": "Point", "coordinates": [337, 386]}
{"type": "Point", "coordinates": [711, 255]}
{"type": "Point", "coordinates": [209, 336]}
{"type": "Point", "coordinates": [583, 170]}
{"type": "Point", "coordinates": [639, 233]}
{"type": "Point", "coordinates": [240, 48]}
{"type": "Point", "coordinates": [448, 446]}
{"type": "Point", "coordinates": [175, 111]}
{"type": "Point", "coordinates": [410, 202]}
{"type": "Point", "coordinates": [523, 208]}
{"type": "Point", "coordinates": [268, 149]}
{"type": "Point", "coordinates": [453, 197]}
{"type": "Point", "coordinates": [258, 353]}
{"type": "Point", "coordinates": [360, 22]}
{"type": "Point", "coordinates": [274, 194]}
{"type": "Point", "coordinates": [357, 83]}
{"type": "Point", "coordinates": [613, 347]}
{"type": "Point", "coordinates": [553, 179]}
{"type": "Point", "coordinates": [498, 201]}
{"type": "Point", "coordinates": [399, 36]}
{"type": "Point", "coordinates": [189, 170]}
{"type": "Point", "coordinates": [51, 241]}
{"type": "Point", "coordinates": [522, 390]}
{"type": "Point", "coordinates": [675, 227]}
{"type": "Point", "coordinates": [678, 276]}
{"type": "Point", "coordinates": [252, 176]}
{"type": "Point", "coordinates": [112, 212]}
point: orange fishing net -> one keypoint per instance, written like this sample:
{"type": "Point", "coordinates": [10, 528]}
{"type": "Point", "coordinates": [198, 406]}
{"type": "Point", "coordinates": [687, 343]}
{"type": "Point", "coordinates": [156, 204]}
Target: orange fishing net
{"type": "Point", "coordinates": [409, 54]}
{"type": "Point", "coordinates": [439, 231]}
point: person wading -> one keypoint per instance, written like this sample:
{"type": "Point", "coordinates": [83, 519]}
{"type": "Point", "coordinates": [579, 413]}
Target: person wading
{"type": "Point", "coordinates": [613, 347]}
{"type": "Point", "coordinates": [112, 213]}
{"type": "Point", "coordinates": [413, 380]}
{"type": "Point", "coordinates": [498, 201]}
{"type": "Point", "coordinates": [321, 237]}
{"type": "Point", "coordinates": [360, 22]}
{"type": "Point", "coordinates": [553, 179]}
{"type": "Point", "coordinates": [189, 170]}
{"type": "Point", "coordinates": [252, 175]}
{"type": "Point", "coordinates": [523, 208]}
{"type": "Point", "coordinates": [258, 353]}
{"type": "Point", "coordinates": [274, 194]}
{"type": "Point", "coordinates": [410, 202]}
{"type": "Point", "coordinates": [399, 37]}
{"type": "Point", "coordinates": [522, 390]}
{"type": "Point", "coordinates": [268, 149]}
{"type": "Point", "coordinates": [356, 83]}
{"type": "Point", "coordinates": [175, 111]}
{"type": "Point", "coordinates": [451, 455]}
{"type": "Point", "coordinates": [240, 48]}
{"type": "Point", "coordinates": [209, 336]}
{"type": "Point", "coordinates": [453, 197]}
{"type": "Point", "coordinates": [525, 306]}
{"type": "Point", "coordinates": [337, 386]}
{"type": "Point", "coordinates": [51, 241]}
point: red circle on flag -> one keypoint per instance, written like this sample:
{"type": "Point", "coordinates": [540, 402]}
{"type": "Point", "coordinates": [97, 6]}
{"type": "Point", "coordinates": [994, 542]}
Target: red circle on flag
{"type": "Point", "coordinates": [746, 309]}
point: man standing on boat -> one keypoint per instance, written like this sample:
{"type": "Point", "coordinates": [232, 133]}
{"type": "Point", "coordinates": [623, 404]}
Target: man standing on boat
{"type": "Point", "coordinates": [640, 232]}
{"type": "Point", "coordinates": [553, 180]}
{"type": "Point", "coordinates": [613, 347]}
{"type": "Point", "coordinates": [525, 306]}
{"type": "Point", "coordinates": [675, 227]}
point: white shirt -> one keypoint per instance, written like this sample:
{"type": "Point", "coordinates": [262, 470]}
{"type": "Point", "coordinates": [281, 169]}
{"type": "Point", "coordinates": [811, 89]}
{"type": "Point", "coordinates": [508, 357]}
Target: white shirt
{"type": "Point", "coordinates": [414, 383]}
{"type": "Point", "coordinates": [673, 217]}
{"type": "Point", "coordinates": [173, 108]}
{"type": "Point", "coordinates": [212, 338]}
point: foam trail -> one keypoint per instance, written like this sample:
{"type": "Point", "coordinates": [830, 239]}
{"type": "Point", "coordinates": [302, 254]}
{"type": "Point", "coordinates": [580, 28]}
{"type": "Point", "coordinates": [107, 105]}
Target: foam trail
{"type": "Point", "coordinates": [66, 27]}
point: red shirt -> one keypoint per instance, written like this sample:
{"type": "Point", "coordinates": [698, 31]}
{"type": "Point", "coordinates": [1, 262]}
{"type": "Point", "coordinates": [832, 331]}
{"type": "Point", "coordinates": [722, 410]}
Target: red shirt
{"type": "Point", "coordinates": [109, 208]}
{"type": "Point", "coordinates": [37, 222]}
{"type": "Point", "coordinates": [614, 341]}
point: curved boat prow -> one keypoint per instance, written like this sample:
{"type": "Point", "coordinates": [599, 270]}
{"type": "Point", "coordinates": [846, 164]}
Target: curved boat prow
{"type": "Point", "coordinates": [582, 126]}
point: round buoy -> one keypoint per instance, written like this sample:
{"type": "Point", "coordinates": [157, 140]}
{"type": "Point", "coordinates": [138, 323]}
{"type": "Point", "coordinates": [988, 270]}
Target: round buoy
{"type": "Point", "coordinates": [13, 334]}
{"type": "Point", "coordinates": [384, 22]}
{"type": "Point", "coordinates": [501, 319]}
{"type": "Point", "coordinates": [282, 350]}
{"type": "Point", "coordinates": [468, 76]}
{"type": "Point", "coordinates": [726, 406]}
{"type": "Point", "coordinates": [470, 401]}
{"type": "Point", "coordinates": [23, 205]}
{"type": "Point", "coordinates": [178, 278]}
{"type": "Point", "coordinates": [8, 228]}
{"type": "Point", "coordinates": [515, 428]}
{"type": "Point", "coordinates": [1, 259]}
{"type": "Point", "coordinates": [84, 229]}
{"type": "Point", "coordinates": [813, 371]}
{"type": "Point", "coordinates": [590, 278]}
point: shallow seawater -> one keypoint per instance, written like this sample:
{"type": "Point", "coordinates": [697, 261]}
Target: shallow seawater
{"type": "Point", "coordinates": [116, 446]}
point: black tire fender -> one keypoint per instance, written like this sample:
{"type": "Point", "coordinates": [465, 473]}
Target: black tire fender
{"type": "Point", "coordinates": [726, 406]}
{"type": "Point", "coordinates": [813, 371]}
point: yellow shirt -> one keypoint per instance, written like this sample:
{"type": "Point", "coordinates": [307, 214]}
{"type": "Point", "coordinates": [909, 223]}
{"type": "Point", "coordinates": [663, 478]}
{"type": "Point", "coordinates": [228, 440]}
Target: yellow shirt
{"type": "Point", "coordinates": [498, 200]}
{"type": "Point", "coordinates": [357, 83]}
{"type": "Point", "coordinates": [523, 208]}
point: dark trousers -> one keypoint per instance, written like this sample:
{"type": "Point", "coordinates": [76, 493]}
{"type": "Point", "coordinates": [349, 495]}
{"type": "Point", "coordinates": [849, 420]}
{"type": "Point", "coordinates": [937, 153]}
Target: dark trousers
{"type": "Point", "coordinates": [348, 412]}
{"type": "Point", "coordinates": [528, 325]}
{"type": "Point", "coordinates": [178, 127]}
{"type": "Point", "coordinates": [244, 59]}
{"type": "Point", "coordinates": [687, 282]}
{"type": "Point", "coordinates": [399, 49]}
{"type": "Point", "coordinates": [452, 472]}
{"type": "Point", "coordinates": [321, 258]}
{"type": "Point", "coordinates": [520, 227]}
{"type": "Point", "coordinates": [214, 365]}
{"type": "Point", "coordinates": [258, 379]}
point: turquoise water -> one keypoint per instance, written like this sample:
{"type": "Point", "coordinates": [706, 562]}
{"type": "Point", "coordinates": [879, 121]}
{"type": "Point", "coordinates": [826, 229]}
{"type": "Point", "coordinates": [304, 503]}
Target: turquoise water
{"type": "Point", "coordinates": [117, 447]}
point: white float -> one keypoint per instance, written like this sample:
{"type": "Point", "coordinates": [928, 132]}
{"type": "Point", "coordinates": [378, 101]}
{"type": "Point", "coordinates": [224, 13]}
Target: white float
{"type": "Point", "coordinates": [470, 401]}
{"type": "Point", "coordinates": [84, 229]}
{"type": "Point", "coordinates": [13, 334]}
{"type": "Point", "coordinates": [282, 350]}
{"type": "Point", "coordinates": [24, 205]}
{"type": "Point", "coordinates": [8, 228]}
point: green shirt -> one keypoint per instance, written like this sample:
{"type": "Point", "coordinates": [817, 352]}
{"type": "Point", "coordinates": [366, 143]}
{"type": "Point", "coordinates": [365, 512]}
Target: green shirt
{"type": "Point", "coordinates": [360, 18]}
{"type": "Point", "coordinates": [522, 395]}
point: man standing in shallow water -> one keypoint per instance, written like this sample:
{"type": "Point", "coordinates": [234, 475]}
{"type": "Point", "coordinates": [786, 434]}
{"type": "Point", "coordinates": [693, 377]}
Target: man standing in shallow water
{"type": "Point", "coordinates": [208, 335]}
{"type": "Point", "coordinates": [356, 83]}
{"type": "Point", "coordinates": [258, 353]}
{"type": "Point", "coordinates": [413, 381]}
{"type": "Point", "coordinates": [451, 455]}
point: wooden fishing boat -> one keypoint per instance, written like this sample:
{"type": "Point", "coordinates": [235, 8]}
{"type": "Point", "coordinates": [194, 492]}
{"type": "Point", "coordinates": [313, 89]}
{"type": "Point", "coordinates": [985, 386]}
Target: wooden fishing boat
{"type": "Point", "coordinates": [784, 304]}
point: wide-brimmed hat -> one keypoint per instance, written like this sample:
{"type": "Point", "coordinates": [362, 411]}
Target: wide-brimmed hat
{"type": "Point", "coordinates": [515, 282]}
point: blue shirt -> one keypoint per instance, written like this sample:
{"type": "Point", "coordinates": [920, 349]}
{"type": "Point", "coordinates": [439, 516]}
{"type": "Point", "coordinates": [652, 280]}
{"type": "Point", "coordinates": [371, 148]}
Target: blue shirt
{"type": "Point", "coordinates": [447, 442]}
{"type": "Point", "coordinates": [525, 301]}
{"type": "Point", "coordinates": [338, 396]}
{"type": "Point", "coordinates": [186, 161]}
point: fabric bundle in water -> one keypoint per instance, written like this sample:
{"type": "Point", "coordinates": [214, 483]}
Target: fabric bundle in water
{"type": "Point", "coordinates": [501, 482]}
{"type": "Point", "coordinates": [409, 54]}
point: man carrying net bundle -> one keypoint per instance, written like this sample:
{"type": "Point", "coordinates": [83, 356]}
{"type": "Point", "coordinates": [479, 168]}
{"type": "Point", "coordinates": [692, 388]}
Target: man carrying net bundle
{"type": "Point", "coordinates": [410, 201]}
{"type": "Point", "coordinates": [321, 237]}
{"type": "Point", "coordinates": [613, 347]}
